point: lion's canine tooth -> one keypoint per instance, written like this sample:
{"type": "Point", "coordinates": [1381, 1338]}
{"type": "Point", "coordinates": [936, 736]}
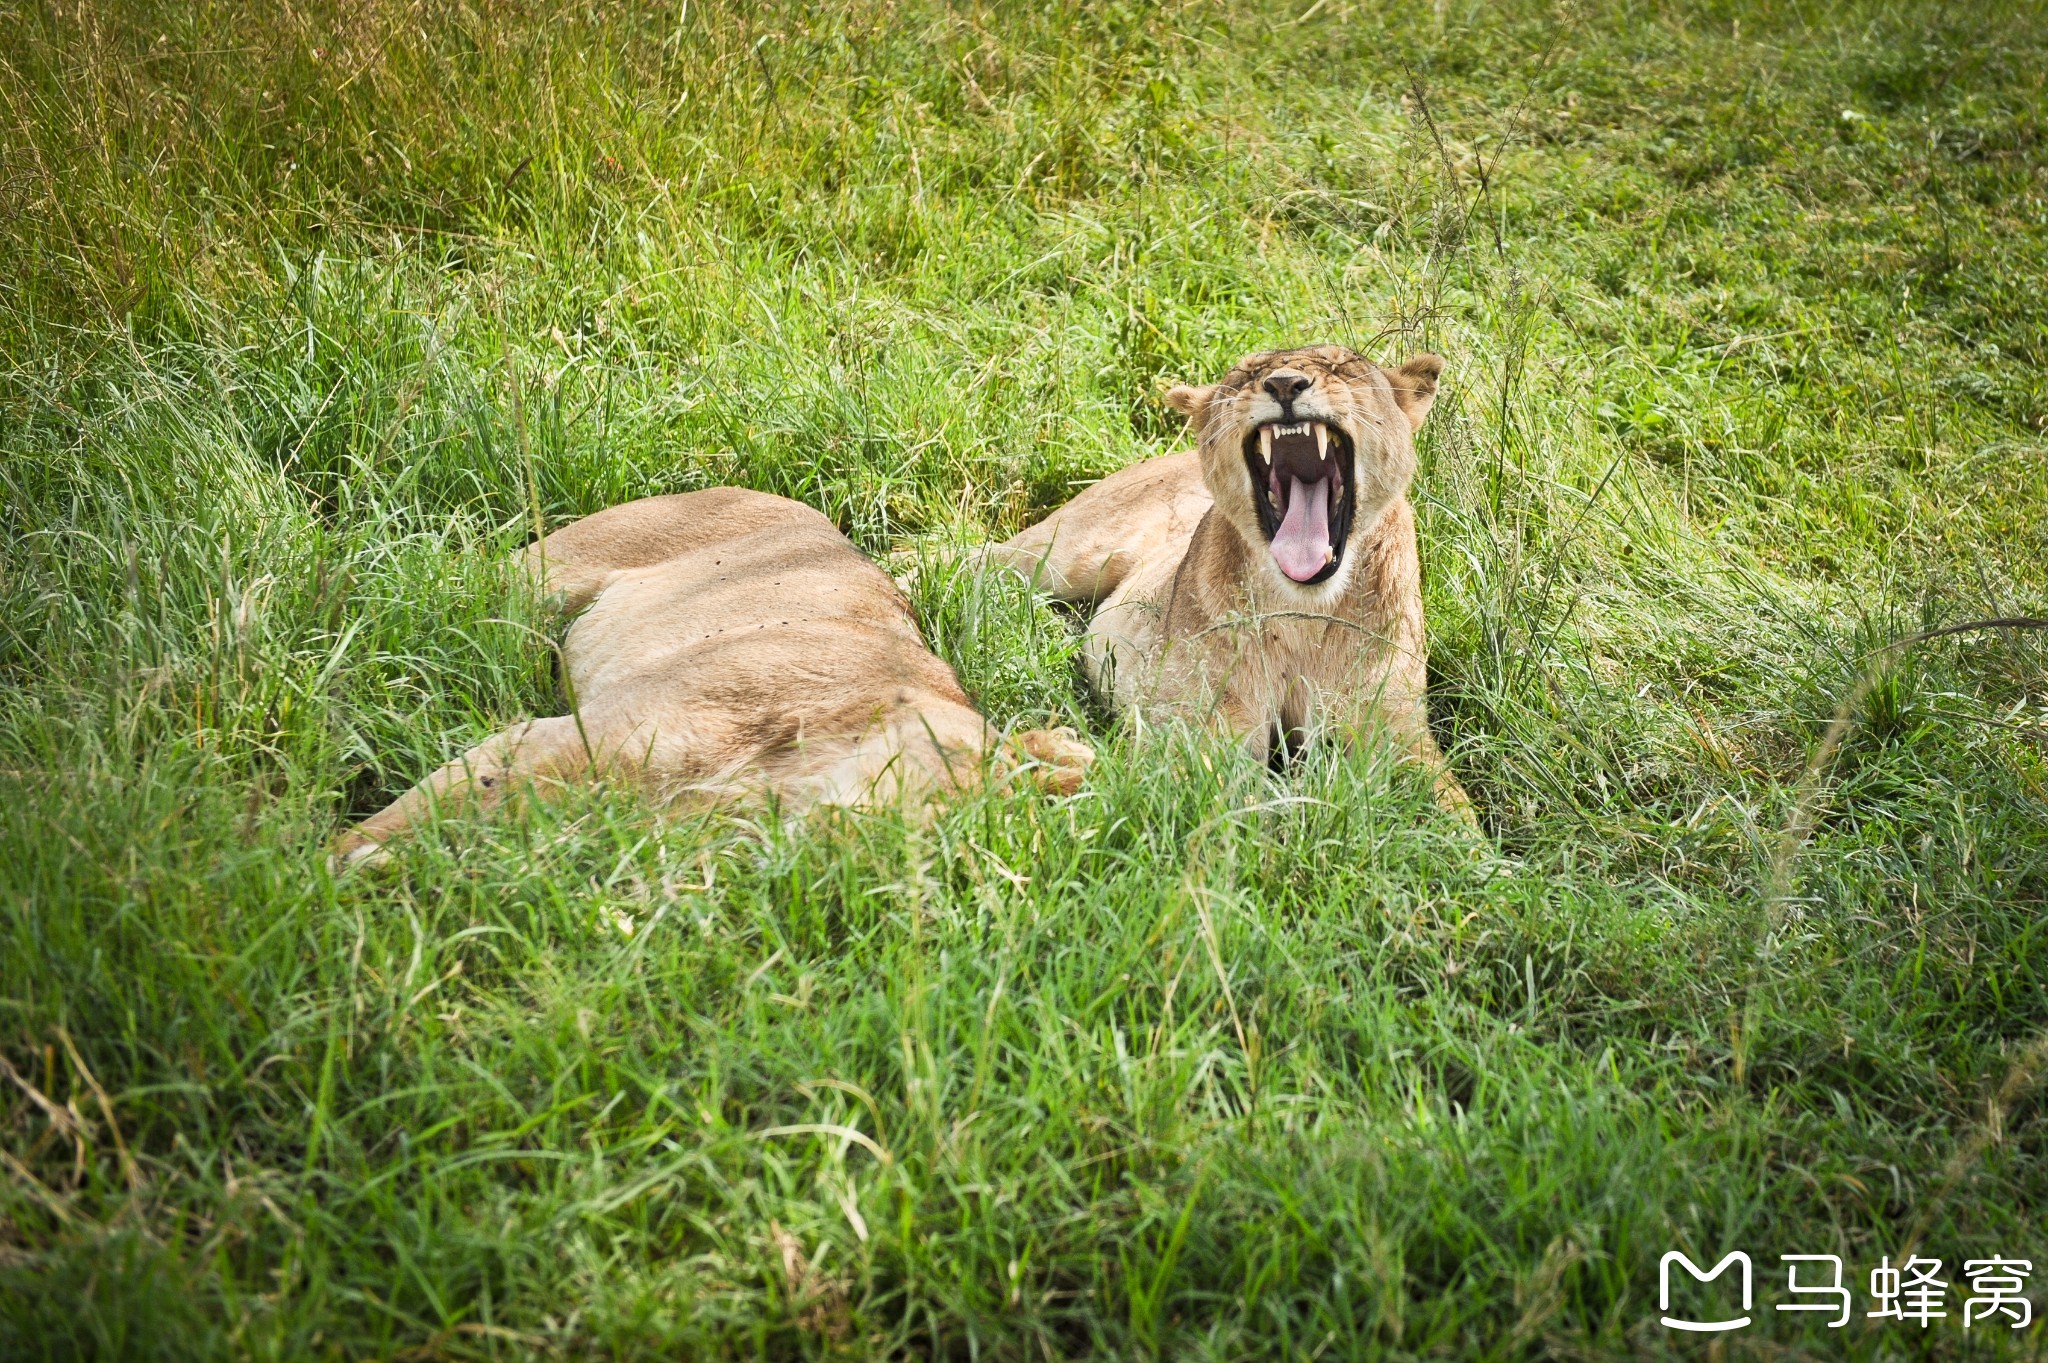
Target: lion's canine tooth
{"type": "Point", "coordinates": [1322, 441]}
{"type": "Point", "coordinates": [1266, 443]}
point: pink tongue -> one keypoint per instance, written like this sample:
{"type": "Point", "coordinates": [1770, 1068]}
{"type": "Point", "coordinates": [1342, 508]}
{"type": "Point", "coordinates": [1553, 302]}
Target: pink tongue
{"type": "Point", "coordinates": [1301, 546]}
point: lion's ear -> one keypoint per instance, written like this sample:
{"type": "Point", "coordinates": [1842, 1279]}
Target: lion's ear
{"type": "Point", "coordinates": [1190, 402]}
{"type": "Point", "coordinates": [1415, 387]}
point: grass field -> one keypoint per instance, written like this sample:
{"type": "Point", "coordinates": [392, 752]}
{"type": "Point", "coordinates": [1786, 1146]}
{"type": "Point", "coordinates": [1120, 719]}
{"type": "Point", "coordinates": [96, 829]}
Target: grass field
{"type": "Point", "coordinates": [311, 313]}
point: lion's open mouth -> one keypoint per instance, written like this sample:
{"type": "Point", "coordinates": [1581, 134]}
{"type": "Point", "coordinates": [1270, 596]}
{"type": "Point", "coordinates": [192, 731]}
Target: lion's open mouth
{"type": "Point", "coordinates": [1301, 480]}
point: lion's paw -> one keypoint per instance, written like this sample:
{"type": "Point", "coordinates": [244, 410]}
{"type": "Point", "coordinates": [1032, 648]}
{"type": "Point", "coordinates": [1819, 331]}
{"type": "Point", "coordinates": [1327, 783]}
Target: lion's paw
{"type": "Point", "coordinates": [1056, 759]}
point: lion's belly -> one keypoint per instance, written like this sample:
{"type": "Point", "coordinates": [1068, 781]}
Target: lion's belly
{"type": "Point", "coordinates": [746, 631]}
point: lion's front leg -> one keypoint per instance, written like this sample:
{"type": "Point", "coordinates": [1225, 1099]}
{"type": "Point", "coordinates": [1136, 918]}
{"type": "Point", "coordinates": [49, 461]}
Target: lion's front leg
{"type": "Point", "coordinates": [1402, 724]}
{"type": "Point", "coordinates": [1450, 794]}
{"type": "Point", "coordinates": [541, 750]}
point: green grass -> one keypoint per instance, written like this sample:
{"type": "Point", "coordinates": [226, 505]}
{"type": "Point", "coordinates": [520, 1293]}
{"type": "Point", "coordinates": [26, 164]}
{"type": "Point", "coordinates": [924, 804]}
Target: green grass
{"type": "Point", "coordinates": [309, 313]}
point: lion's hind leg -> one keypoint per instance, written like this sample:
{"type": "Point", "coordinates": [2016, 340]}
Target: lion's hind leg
{"type": "Point", "coordinates": [1088, 548]}
{"type": "Point", "coordinates": [1079, 571]}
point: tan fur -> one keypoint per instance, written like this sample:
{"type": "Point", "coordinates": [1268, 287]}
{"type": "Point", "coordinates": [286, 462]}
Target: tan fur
{"type": "Point", "coordinates": [1193, 619]}
{"type": "Point", "coordinates": [733, 643]}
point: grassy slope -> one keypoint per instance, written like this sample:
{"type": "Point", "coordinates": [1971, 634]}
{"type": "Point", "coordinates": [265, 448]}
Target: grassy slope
{"type": "Point", "coordinates": [310, 317]}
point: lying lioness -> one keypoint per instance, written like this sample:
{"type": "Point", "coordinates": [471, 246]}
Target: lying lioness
{"type": "Point", "coordinates": [730, 643]}
{"type": "Point", "coordinates": [1266, 581]}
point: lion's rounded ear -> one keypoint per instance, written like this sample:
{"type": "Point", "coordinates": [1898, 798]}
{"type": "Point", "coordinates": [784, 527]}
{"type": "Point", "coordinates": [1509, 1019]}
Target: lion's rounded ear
{"type": "Point", "coordinates": [1414, 385]}
{"type": "Point", "coordinates": [1190, 402]}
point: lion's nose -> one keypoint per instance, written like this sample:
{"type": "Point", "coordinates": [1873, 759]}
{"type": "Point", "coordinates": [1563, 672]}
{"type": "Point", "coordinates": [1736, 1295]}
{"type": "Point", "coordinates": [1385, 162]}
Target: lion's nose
{"type": "Point", "coordinates": [1286, 385]}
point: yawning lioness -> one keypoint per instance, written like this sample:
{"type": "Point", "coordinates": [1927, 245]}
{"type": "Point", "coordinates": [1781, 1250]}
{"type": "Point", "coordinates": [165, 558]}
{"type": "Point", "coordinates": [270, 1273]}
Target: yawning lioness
{"type": "Point", "coordinates": [731, 642]}
{"type": "Point", "coordinates": [1266, 581]}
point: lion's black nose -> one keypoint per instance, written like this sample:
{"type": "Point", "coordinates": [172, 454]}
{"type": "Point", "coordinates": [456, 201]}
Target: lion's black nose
{"type": "Point", "coordinates": [1286, 385]}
